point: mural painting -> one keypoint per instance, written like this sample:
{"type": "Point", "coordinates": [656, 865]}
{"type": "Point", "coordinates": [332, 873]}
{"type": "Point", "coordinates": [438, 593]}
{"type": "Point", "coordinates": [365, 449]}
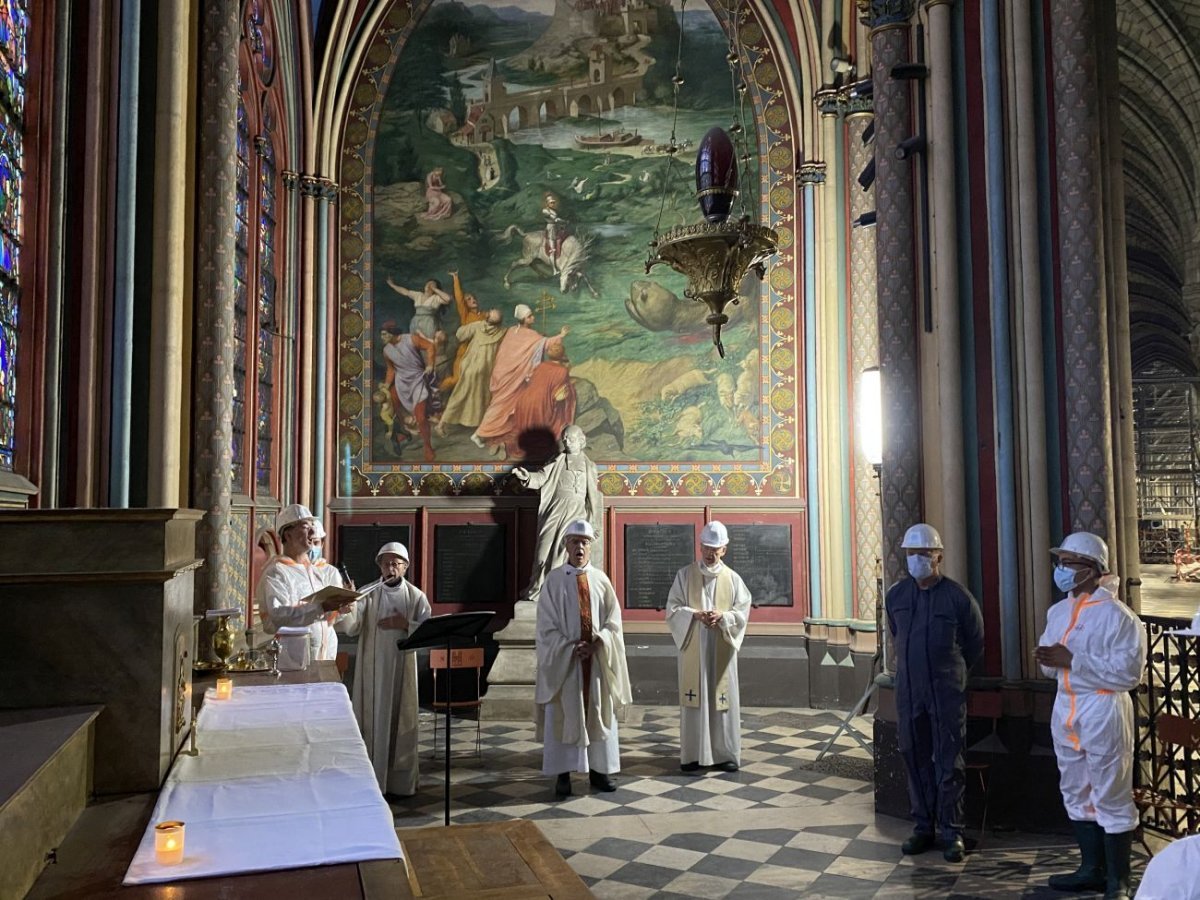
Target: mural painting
{"type": "Point", "coordinates": [519, 170]}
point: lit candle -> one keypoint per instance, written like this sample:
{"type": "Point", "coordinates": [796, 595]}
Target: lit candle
{"type": "Point", "coordinates": [224, 688]}
{"type": "Point", "coordinates": [168, 843]}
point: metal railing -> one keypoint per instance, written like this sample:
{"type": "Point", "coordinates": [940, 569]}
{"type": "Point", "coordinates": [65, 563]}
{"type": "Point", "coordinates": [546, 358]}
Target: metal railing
{"type": "Point", "coordinates": [1166, 774]}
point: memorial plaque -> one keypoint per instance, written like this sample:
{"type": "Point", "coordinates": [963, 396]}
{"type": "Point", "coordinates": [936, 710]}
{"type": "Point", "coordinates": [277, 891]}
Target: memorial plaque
{"type": "Point", "coordinates": [762, 555]}
{"type": "Point", "coordinates": [470, 564]}
{"type": "Point", "coordinates": [653, 555]}
{"type": "Point", "coordinates": [358, 544]}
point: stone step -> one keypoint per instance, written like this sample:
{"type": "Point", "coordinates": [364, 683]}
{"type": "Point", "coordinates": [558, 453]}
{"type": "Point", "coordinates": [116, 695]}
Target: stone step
{"type": "Point", "coordinates": [44, 785]}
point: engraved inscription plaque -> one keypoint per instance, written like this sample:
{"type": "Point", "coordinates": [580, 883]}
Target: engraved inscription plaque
{"type": "Point", "coordinates": [653, 554]}
{"type": "Point", "coordinates": [762, 555]}
{"type": "Point", "coordinates": [358, 544]}
{"type": "Point", "coordinates": [470, 564]}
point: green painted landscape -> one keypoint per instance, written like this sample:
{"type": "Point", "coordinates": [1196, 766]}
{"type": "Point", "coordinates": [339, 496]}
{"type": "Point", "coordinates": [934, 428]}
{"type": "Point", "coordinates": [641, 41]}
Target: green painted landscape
{"type": "Point", "coordinates": [524, 149]}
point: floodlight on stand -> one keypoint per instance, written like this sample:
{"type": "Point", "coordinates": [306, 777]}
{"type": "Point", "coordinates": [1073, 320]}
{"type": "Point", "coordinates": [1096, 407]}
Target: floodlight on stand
{"type": "Point", "coordinates": [870, 416]}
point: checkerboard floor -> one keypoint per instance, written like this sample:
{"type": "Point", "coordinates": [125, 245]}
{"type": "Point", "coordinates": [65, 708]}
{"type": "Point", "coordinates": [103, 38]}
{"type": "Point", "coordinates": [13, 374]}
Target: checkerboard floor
{"type": "Point", "coordinates": [783, 826]}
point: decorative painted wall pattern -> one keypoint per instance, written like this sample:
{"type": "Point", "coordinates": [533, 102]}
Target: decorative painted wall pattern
{"type": "Point", "coordinates": [512, 151]}
{"type": "Point", "coordinates": [864, 352]}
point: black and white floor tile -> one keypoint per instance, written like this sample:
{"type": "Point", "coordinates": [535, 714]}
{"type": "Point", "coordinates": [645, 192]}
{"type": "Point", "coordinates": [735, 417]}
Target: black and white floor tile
{"type": "Point", "coordinates": [784, 826]}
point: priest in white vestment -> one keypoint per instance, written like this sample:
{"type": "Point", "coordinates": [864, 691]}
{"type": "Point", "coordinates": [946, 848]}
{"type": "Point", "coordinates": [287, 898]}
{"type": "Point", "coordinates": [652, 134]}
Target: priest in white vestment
{"type": "Point", "coordinates": [385, 678]}
{"type": "Point", "coordinates": [582, 679]}
{"type": "Point", "coordinates": [291, 578]}
{"type": "Point", "coordinates": [707, 611]}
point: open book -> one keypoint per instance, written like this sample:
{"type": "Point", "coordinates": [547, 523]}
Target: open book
{"type": "Point", "coordinates": [330, 592]}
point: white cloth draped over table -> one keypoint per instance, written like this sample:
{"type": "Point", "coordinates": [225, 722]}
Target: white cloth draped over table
{"type": "Point", "coordinates": [281, 591]}
{"type": "Point", "coordinates": [577, 739]}
{"type": "Point", "coordinates": [282, 781]}
{"type": "Point", "coordinates": [710, 730]}
{"type": "Point", "coordinates": [385, 684]}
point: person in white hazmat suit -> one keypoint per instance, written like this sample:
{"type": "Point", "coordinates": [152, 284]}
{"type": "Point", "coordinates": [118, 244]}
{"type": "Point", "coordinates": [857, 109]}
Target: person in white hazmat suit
{"type": "Point", "coordinates": [1095, 647]}
{"type": "Point", "coordinates": [292, 576]}
{"type": "Point", "coordinates": [707, 610]}
{"type": "Point", "coordinates": [384, 692]}
{"type": "Point", "coordinates": [582, 678]}
{"type": "Point", "coordinates": [1174, 873]}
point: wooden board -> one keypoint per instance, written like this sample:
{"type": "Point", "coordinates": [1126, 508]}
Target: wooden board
{"type": "Point", "coordinates": [486, 860]}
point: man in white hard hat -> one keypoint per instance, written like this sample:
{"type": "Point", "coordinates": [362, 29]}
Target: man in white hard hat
{"type": "Point", "coordinates": [707, 610]}
{"type": "Point", "coordinates": [1096, 648]}
{"type": "Point", "coordinates": [385, 679]}
{"type": "Point", "coordinates": [937, 632]}
{"type": "Point", "coordinates": [290, 578]}
{"type": "Point", "coordinates": [582, 679]}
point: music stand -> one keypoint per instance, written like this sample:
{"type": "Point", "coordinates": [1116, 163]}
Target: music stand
{"type": "Point", "coordinates": [454, 630]}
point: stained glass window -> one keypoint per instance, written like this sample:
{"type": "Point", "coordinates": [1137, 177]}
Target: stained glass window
{"type": "Point", "coordinates": [267, 182]}
{"type": "Point", "coordinates": [241, 266]}
{"type": "Point", "coordinates": [14, 32]}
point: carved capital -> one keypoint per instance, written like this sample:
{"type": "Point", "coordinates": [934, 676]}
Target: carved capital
{"type": "Point", "coordinates": [812, 173]}
{"type": "Point", "coordinates": [882, 13]}
{"type": "Point", "coordinates": [828, 101]}
{"type": "Point", "coordinates": [318, 187]}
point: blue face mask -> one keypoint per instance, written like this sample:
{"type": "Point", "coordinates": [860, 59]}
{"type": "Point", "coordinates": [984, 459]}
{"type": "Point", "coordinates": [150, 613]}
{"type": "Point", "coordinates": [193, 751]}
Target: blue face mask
{"type": "Point", "coordinates": [314, 553]}
{"type": "Point", "coordinates": [1064, 578]}
{"type": "Point", "coordinates": [920, 567]}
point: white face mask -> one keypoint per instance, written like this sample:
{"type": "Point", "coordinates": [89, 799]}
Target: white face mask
{"type": "Point", "coordinates": [920, 567]}
{"type": "Point", "coordinates": [1064, 578]}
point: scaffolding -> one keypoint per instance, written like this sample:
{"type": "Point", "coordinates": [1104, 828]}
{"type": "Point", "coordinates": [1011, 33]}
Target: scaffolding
{"type": "Point", "coordinates": [1168, 468]}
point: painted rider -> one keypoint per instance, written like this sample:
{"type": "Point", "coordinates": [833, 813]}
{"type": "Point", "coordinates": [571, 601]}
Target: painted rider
{"type": "Point", "coordinates": [557, 228]}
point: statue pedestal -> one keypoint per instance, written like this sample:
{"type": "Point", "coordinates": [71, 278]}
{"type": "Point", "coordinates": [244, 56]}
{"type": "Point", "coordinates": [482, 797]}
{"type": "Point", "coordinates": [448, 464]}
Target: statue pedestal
{"type": "Point", "coordinates": [511, 680]}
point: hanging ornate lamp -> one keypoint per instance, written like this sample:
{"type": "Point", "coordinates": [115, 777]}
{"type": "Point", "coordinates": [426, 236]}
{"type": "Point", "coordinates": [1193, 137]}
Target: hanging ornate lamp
{"type": "Point", "coordinates": [715, 255]}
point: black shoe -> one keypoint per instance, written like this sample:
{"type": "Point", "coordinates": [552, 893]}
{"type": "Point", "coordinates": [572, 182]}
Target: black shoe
{"type": "Point", "coordinates": [690, 767]}
{"type": "Point", "coordinates": [562, 787]}
{"type": "Point", "coordinates": [600, 781]}
{"type": "Point", "coordinates": [919, 842]}
{"type": "Point", "coordinates": [1090, 874]}
{"type": "Point", "coordinates": [729, 766]}
{"type": "Point", "coordinates": [953, 850]}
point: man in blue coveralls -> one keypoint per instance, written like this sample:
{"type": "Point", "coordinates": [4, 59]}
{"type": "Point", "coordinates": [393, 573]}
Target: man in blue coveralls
{"type": "Point", "coordinates": [937, 632]}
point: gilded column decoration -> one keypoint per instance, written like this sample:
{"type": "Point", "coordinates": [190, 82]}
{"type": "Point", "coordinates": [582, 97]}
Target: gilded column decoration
{"type": "Point", "coordinates": [896, 283]}
{"type": "Point", "coordinates": [864, 353]}
{"type": "Point", "coordinates": [214, 302]}
{"type": "Point", "coordinates": [1081, 256]}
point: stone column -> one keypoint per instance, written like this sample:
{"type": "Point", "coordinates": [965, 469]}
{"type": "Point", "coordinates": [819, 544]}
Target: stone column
{"type": "Point", "coordinates": [168, 241]}
{"type": "Point", "coordinates": [895, 249]}
{"type": "Point", "coordinates": [944, 227]}
{"type": "Point", "coordinates": [213, 346]}
{"type": "Point", "coordinates": [1081, 257]}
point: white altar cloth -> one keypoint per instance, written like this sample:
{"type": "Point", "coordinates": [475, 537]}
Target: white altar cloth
{"type": "Point", "coordinates": [282, 781]}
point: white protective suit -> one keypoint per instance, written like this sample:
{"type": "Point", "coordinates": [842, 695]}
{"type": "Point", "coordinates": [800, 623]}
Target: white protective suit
{"type": "Point", "coordinates": [384, 693]}
{"type": "Point", "coordinates": [578, 739]}
{"type": "Point", "coordinates": [281, 591]}
{"type": "Point", "coordinates": [1174, 873]}
{"type": "Point", "coordinates": [1092, 722]}
{"type": "Point", "coordinates": [710, 718]}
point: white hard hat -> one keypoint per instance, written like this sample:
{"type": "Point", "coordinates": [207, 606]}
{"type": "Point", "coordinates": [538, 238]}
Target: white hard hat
{"type": "Point", "coordinates": [290, 515]}
{"type": "Point", "coordinates": [714, 534]}
{"type": "Point", "coordinates": [1088, 545]}
{"type": "Point", "coordinates": [319, 530]}
{"type": "Point", "coordinates": [394, 547]}
{"type": "Point", "coordinates": [581, 527]}
{"type": "Point", "coordinates": [522, 312]}
{"type": "Point", "coordinates": [921, 537]}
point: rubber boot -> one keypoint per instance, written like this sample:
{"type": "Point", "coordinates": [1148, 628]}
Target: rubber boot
{"type": "Point", "coordinates": [1116, 859]}
{"type": "Point", "coordinates": [1090, 876]}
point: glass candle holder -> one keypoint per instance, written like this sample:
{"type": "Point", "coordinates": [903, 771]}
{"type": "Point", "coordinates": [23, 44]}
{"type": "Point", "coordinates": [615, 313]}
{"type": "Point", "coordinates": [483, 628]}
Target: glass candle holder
{"type": "Point", "coordinates": [224, 688]}
{"type": "Point", "coordinates": [168, 843]}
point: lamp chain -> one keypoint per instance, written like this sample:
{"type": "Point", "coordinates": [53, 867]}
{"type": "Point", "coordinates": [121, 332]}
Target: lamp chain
{"type": "Point", "coordinates": [672, 145]}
